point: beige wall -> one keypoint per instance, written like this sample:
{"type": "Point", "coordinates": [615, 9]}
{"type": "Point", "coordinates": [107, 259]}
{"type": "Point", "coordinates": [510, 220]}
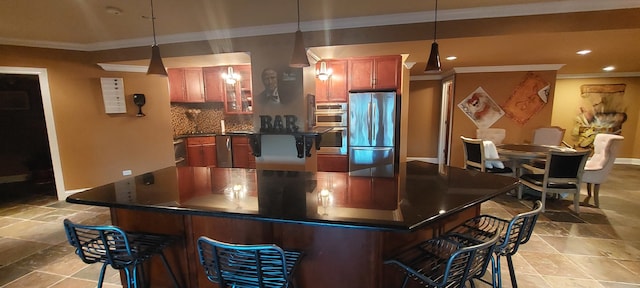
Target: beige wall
{"type": "Point", "coordinates": [423, 119]}
{"type": "Point", "coordinates": [94, 146]}
{"type": "Point", "coordinates": [566, 108]}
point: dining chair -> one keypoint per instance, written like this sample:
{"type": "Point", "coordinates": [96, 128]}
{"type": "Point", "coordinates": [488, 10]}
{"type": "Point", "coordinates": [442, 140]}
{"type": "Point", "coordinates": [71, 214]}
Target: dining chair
{"type": "Point", "coordinates": [597, 168]}
{"type": "Point", "coordinates": [483, 156]}
{"type": "Point", "coordinates": [237, 265]}
{"type": "Point", "coordinates": [446, 261]}
{"type": "Point", "coordinates": [548, 136]}
{"type": "Point", "coordinates": [513, 233]}
{"type": "Point", "coordinates": [122, 250]}
{"type": "Point", "coordinates": [562, 173]}
{"type": "Point", "coordinates": [495, 135]}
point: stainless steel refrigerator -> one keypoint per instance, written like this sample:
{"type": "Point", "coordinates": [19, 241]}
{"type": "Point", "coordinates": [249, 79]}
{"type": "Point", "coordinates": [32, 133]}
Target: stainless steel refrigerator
{"type": "Point", "coordinates": [372, 134]}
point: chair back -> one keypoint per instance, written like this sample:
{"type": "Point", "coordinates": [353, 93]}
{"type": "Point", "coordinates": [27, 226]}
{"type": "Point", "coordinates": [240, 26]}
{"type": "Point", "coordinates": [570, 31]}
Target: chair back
{"type": "Point", "coordinates": [473, 153]}
{"type": "Point", "coordinates": [606, 147]}
{"type": "Point", "coordinates": [105, 244]}
{"type": "Point", "coordinates": [239, 265]}
{"type": "Point", "coordinates": [548, 136]}
{"type": "Point", "coordinates": [467, 262]}
{"type": "Point", "coordinates": [519, 230]}
{"type": "Point", "coordinates": [564, 169]}
{"type": "Point", "coordinates": [495, 135]}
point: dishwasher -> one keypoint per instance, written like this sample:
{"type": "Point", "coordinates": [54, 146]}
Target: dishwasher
{"type": "Point", "coordinates": [224, 154]}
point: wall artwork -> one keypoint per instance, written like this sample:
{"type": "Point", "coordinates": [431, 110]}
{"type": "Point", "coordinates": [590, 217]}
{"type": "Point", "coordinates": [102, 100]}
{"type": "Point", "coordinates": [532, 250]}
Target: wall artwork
{"type": "Point", "coordinates": [602, 110]}
{"type": "Point", "coordinates": [481, 108]}
{"type": "Point", "coordinates": [527, 98]}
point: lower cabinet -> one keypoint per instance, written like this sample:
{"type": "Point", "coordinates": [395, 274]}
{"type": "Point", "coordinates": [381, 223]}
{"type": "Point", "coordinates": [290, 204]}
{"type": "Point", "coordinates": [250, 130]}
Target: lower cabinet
{"type": "Point", "coordinates": [242, 155]}
{"type": "Point", "coordinates": [201, 151]}
{"type": "Point", "coordinates": [333, 163]}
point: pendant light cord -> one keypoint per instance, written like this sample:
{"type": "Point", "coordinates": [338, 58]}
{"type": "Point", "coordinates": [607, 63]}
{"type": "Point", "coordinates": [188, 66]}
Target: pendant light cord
{"type": "Point", "coordinates": [153, 24]}
{"type": "Point", "coordinates": [298, 14]}
{"type": "Point", "coordinates": [435, 22]}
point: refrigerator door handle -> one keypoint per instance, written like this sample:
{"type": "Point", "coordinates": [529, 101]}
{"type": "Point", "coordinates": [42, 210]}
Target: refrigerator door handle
{"type": "Point", "coordinates": [369, 120]}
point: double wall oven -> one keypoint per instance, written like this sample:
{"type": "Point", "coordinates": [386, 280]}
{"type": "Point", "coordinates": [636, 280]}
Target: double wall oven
{"type": "Point", "coordinates": [333, 115]}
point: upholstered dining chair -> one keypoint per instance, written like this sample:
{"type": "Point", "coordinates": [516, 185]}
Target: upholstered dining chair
{"type": "Point", "coordinates": [548, 136]}
{"type": "Point", "coordinates": [495, 135]}
{"type": "Point", "coordinates": [478, 157]}
{"type": "Point", "coordinates": [562, 173]}
{"type": "Point", "coordinates": [597, 168]}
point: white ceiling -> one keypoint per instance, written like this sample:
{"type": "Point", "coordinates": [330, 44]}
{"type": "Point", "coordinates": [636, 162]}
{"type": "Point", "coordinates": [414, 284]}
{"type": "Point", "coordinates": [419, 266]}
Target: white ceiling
{"type": "Point", "coordinates": [93, 25]}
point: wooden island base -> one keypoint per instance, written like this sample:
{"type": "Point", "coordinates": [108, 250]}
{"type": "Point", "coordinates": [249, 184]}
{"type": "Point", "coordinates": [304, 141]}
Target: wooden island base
{"type": "Point", "coordinates": [334, 256]}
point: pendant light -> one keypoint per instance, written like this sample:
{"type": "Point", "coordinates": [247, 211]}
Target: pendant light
{"type": "Point", "coordinates": [299, 57]}
{"type": "Point", "coordinates": [433, 64]}
{"type": "Point", "coordinates": [156, 67]}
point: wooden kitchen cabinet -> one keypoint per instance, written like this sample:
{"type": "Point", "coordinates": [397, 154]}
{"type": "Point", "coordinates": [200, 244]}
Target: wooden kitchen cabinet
{"type": "Point", "coordinates": [380, 72]}
{"type": "Point", "coordinates": [186, 85]}
{"type": "Point", "coordinates": [242, 155]}
{"type": "Point", "coordinates": [373, 193]}
{"type": "Point", "coordinates": [213, 83]}
{"type": "Point", "coordinates": [201, 151]}
{"type": "Point", "coordinates": [334, 89]}
{"type": "Point", "coordinates": [333, 163]}
{"type": "Point", "coordinates": [238, 98]}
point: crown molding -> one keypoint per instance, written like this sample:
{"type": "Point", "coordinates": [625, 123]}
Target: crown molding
{"type": "Point", "coordinates": [553, 7]}
{"type": "Point", "coordinates": [123, 68]}
{"type": "Point", "coordinates": [508, 68]}
{"type": "Point", "coordinates": [599, 75]}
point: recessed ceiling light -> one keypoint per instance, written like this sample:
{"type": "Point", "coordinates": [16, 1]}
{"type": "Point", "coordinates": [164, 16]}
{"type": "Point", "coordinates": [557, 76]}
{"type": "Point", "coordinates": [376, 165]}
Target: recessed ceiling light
{"type": "Point", "coordinates": [609, 68]}
{"type": "Point", "coordinates": [113, 10]}
{"type": "Point", "coordinates": [451, 58]}
{"type": "Point", "coordinates": [583, 52]}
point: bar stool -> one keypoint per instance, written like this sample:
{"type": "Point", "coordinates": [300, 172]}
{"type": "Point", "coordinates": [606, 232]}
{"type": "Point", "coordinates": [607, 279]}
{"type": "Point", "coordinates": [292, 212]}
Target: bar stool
{"type": "Point", "coordinates": [122, 250]}
{"type": "Point", "coordinates": [236, 265]}
{"type": "Point", "coordinates": [447, 261]}
{"type": "Point", "coordinates": [512, 233]}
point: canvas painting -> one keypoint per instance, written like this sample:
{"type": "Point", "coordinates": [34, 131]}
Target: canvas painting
{"type": "Point", "coordinates": [527, 98]}
{"type": "Point", "coordinates": [481, 108]}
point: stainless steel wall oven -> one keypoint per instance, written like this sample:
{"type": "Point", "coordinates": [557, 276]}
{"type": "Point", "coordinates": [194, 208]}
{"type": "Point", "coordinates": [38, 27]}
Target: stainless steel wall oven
{"type": "Point", "coordinates": [333, 115]}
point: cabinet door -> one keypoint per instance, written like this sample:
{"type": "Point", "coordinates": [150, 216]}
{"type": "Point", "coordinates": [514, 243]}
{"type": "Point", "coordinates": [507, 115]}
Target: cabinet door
{"type": "Point", "coordinates": [238, 98]}
{"type": "Point", "coordinates": [333, 163]}
{"type": "Point", "coordinates": [201, 151]}
{"type": "Point", "coordinates": [209, 154]}
{"type": "Point", "coordinates": [242, 157]}
{"type": "Point", "coordinates": [176, 85]}
{"type": "Point", "coordinates": [194, 84]}
{"type": "Point", "coordinates": [213, 84]}
{"type": "Point", "coordinates": [387, 72]}
{"type": "Point", "coordinates": [334, 89]}
{"type": "Point", "coordinates": [361, 74]}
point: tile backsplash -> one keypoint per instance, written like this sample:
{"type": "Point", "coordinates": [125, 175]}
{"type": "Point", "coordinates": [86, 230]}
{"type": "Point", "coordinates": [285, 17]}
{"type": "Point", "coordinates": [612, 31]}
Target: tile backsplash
{"type": "Point", "coordinates": [207, 120]}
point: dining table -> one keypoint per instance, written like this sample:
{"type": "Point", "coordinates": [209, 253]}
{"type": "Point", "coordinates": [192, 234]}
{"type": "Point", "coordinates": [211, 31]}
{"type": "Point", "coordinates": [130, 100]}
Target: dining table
{"type": "Point", "coordinates": [517, 154]}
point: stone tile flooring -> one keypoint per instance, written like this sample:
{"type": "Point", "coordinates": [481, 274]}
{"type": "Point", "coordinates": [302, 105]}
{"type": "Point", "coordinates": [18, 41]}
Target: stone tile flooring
{"type": "Point", "coordinates": [599, 248]}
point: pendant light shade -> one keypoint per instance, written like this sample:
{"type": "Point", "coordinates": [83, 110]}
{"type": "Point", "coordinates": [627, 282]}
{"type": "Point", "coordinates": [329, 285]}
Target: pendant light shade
{"type": "Point", "coordinates": [433, 63]}
{"type": "Point", "coordinates": [156, 67]}
{"type": "Point", "coordinates": [299, 56]}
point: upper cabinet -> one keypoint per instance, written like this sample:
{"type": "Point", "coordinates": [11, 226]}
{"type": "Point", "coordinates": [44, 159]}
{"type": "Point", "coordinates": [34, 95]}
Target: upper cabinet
{"type": "Point", "coordinates": [213, 83]}
{"type": "Point", "coordinates": [237, 96]}
{"type": "Point", "coordinates": [185, 84]}
{"type": "Point", "coordinates": [334, 89]}
{"type": "Point", "coordinates": [206, 84]}
{"type": "Point", "coordinates": [381, 72]}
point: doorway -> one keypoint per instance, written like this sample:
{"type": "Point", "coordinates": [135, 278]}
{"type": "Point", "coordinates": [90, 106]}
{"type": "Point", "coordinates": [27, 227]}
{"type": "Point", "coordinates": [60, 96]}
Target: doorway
{"type": "Point", "coordinates": [43, 82]}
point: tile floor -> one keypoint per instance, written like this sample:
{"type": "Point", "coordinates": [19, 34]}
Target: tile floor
{"type": "Point", "coordinates": [600, 248]}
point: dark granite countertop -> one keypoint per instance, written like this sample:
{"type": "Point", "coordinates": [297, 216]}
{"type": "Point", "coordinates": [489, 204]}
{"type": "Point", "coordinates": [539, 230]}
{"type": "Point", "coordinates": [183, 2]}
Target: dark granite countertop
{"type": "Point", "coordinates": [419, 194]}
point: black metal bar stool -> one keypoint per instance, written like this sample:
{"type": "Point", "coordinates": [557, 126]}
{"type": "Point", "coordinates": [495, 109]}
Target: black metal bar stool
{"type": "Point", "coordinates": [122, 250]}
{"type": "Point", "coordinates": [512, 233]}
{"type": "Point", "coordinates": [236, 265]}
{"type": "Point", "coordinates": [446, 261]}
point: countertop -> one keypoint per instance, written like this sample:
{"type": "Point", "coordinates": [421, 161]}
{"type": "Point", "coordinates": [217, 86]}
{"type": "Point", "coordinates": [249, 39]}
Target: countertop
{"type": "Point", "coordinates": [419, 194]}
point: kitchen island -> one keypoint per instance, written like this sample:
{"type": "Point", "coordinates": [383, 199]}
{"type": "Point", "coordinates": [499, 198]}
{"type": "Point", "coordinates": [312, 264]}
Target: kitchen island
{"type": "Point", "coordinates": [346, 225]}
